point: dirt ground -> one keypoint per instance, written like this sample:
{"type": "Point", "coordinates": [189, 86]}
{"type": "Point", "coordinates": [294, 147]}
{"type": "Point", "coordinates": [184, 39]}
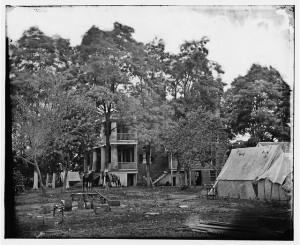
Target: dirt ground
{"type": "Point", "coordinates": [160, 212]}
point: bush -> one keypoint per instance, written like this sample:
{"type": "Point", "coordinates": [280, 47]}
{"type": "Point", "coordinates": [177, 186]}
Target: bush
{"type": "Point", "coordinates": [18, 182]}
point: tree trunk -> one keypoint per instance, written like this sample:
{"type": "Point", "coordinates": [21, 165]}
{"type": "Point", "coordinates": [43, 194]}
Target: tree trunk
{"type": "Point", "coordinates": [53, 180]}
{"type": "Point", "coordinates": [40, 178]}
{"type": "Point", "coordinates": [66, 182]}
{"type": "Point", "coordinates": [107, 138]}
{"type": "Point", "coordinates": [190, 177]}
{"type": "Point", "coordinates": [47, 180]}
{"type": "Point", "coordinates": [185, 178]}
{"type": "Point", "coordinates": [85, 162]}
{"type": "Point", "coordinates": [35, 179]}
{"type": "Point", "coordinates": [148, 159]}
{"type": "Point", "coordinates": [178, 172]}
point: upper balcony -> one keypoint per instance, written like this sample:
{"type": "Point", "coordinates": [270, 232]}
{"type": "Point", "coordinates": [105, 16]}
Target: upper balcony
{"type": "Point", "coordinates": [127, 165]}
{"type": "Point", "coordinates": [126, 136]}
{"type": "Point", "coordinates": [119, 135]}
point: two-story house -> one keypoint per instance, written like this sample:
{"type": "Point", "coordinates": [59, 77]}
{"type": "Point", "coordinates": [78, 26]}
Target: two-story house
{"type": "Point", "coordinates": [123, 154]}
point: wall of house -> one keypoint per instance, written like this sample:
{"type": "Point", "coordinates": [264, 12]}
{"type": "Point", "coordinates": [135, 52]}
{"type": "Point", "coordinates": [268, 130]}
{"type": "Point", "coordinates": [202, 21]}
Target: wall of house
{"type": "Point", "coordinates": [159, 163]}
{"type": "Point", "coordinates": [168, 178]}
{"type": "Point", "coordinates": [205, 173]}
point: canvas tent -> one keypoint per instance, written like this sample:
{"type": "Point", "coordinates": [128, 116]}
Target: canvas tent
{"type": "Point", "coordinates": [71, 177]}
{"type": "Point", "coordinates": [285, 146]}
{"type": "Point", "coordinates": [276, 182]}
{"type": "Point", "coordinates": [238, 177]}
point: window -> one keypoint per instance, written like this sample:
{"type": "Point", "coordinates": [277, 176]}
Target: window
{"type": "Point", "coordinates": [212, 175]}
{"type": "Point", "coordinates": [126, 154]}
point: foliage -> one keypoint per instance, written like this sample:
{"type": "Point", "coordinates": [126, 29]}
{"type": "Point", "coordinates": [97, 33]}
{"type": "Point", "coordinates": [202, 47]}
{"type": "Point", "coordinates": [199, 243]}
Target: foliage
{"type": "Point", "coordinates": [61, 96]}
{"type": "Point", "coordinates": [196, 138]}
{"type": "Point", "coordinates": [109, 61]}
{"type": "Point", "coordinates": [195, 80]}
{"type": "Point", "coordinates": [18, 180]}
{"type": "Point", "coordinates": [259, 104]}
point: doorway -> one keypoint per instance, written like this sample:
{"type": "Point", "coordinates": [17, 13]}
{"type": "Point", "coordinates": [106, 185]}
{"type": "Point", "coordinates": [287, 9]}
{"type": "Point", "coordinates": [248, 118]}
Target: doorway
{"type": "Point", "coordinates": [130, 179]}
{"type": "Point", "coordinates": [174, 181]}
{"type": "Point", "coordinates": [198, 178]}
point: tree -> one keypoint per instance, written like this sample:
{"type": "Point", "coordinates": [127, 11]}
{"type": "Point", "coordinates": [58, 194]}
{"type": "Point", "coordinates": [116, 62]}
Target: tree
{"type": "Point", "coordinates": [30, 135]}
{"type": "Point", "coordinates": [196, 138]}
{"type": "Point", "coordinates": [259, 104]}
{"type": "Point", "coordinates": [62, 123]}
{"type": "Point", "coordinates": [195, 80]}
{"type": "Point", "coordinates": [153, 118]}
{"type": "Point", "coordinates": [109, 60]}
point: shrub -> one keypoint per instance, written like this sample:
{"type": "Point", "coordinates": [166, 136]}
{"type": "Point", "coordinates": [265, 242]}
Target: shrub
{"type": "Point", "coordinates": [18, 182]}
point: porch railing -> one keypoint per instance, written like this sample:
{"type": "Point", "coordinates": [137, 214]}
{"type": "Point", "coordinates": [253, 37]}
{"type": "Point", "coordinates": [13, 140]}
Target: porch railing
{"type": "Point", "coordinates": [126, 136]}
{"type": "Point", "coordinates": [127, 165]}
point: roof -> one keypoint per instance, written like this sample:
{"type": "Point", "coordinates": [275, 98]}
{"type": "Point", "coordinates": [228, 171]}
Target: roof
{"type": "Point", "coordinates": [280, 169]}
{"type": "Point", "coordinates": [73, 176]}
{"type": "Point", "coordinates": [249, 163]}
{"type": "Point", "coordinates": [286, 146]}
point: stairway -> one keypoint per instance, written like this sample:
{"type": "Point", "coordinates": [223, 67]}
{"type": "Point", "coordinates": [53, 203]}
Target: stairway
{"type": "Point", "coordinates": [159, 177]}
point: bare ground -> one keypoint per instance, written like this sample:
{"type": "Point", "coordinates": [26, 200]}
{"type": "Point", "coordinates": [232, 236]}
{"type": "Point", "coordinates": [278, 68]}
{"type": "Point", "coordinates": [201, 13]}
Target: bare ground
{"type": "Point", "coordinates": [144, 213]}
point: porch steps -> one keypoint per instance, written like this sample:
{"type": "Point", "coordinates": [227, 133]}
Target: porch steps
{"type": "Point", "coordinates": [163, 174]}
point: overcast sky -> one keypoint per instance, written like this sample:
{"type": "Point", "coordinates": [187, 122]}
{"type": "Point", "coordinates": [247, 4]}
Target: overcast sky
{"type": "Point", "coordinates": [239, 36]}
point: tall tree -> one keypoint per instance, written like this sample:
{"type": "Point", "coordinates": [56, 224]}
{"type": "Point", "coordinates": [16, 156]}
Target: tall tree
{"type": "Point", "coordinates": [195, 139]}
{"type": "Point", "coordinates": [195, 80]}
{"type": "Point", "coordinates": [110, 60]}
{"type": "Point", "coordinates": [259, 104]}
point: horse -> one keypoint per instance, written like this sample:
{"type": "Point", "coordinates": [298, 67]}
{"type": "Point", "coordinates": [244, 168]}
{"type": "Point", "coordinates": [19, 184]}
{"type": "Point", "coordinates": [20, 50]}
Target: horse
{"type": "Point", "coordinates": [112, 178]}
{"type": "Point", "coordinates": [87, 180]}
{"type": "Point", "coordinates": [116, 180]}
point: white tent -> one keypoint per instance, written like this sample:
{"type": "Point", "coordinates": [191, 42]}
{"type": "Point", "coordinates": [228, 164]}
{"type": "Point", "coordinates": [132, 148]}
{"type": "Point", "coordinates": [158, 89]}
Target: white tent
{"type": "Point", "coordinates": [243, 167]}
{"type": "Point", "coordinates": [71, 177]}
{"type": "Point", "coordinates": [285, 146]}
{"type": "Point", "coordinates": [276, 182]}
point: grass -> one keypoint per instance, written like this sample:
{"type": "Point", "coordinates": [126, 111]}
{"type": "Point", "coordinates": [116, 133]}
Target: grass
{"type": "Point", "coordinates": [130, 220]}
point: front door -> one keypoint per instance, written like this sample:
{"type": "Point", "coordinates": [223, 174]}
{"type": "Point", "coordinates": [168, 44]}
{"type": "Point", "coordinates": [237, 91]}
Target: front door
{"type": "Point", "coordinates": [198, 178]}
{"type": "Point", "coordinates": [130, 179]}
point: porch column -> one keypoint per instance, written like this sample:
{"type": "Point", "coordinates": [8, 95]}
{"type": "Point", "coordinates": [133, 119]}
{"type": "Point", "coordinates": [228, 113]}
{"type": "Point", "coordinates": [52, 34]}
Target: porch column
{"type": "Point", "coordinates": [94, 166]}
{"type": "Point", "coordinates": [102, 158]}
{"type": "Point", "coordinates": [135, 156]}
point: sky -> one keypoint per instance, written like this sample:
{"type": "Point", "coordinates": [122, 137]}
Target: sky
{"type": "Point", "coordinates": [239, 35]}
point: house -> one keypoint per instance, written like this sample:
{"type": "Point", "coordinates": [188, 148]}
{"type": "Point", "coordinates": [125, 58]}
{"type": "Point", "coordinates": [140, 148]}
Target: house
{"type": "Point", "coordinates": [163, 169]}
{"type": "Point", "coordinates": [122, 158]}
{"type": "Point", "coordinates": [243, 168]}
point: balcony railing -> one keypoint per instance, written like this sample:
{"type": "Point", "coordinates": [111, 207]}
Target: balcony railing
{"type": "Point", "coordinates": [126, 136]}
{"type": "Point", "coordinates": [127, 165]}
